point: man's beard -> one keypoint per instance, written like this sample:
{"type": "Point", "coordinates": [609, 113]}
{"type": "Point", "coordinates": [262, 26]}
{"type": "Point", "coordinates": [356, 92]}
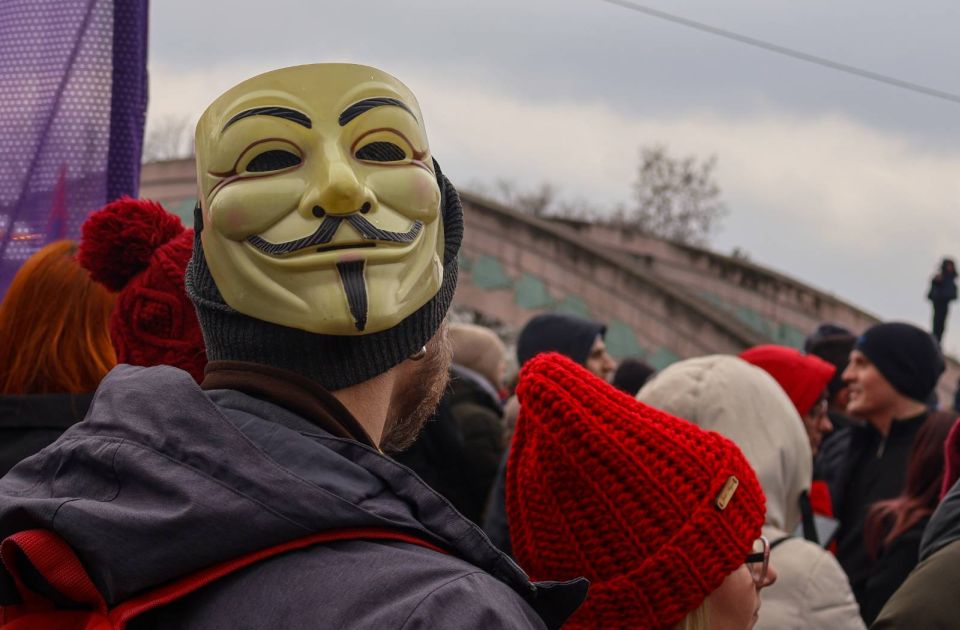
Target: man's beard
{"type": "Point", "coordinates": [416, 398]}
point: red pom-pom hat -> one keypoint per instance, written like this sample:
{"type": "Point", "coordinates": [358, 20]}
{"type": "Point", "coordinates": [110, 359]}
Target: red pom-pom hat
{"type": "Point", "coordinates": [601, 485]}
{"type": "Point", "coordinates": [139, 250]}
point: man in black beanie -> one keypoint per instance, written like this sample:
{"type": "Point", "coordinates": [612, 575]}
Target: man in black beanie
{"type": "Point", "coordinates": [893, 369]}
{"type": "Point", "coordinates": [324, 263]}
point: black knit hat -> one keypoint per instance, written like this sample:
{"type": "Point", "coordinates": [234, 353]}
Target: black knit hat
{"type": "Point", "coordinates": [834, 349]}
{"type": "Point", "coordinates": [826, 330]}
{"type": "Point", "coordinates": [908, 357]}
{"type": "Point", "coordinates": [571, 336]}
{"type": "Point", "coordinates": [333, 361]}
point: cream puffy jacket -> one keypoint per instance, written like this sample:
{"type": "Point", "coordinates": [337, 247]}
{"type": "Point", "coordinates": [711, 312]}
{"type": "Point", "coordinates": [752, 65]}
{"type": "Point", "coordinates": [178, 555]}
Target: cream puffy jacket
{"type": "Point", "coordinates": [744, 403]}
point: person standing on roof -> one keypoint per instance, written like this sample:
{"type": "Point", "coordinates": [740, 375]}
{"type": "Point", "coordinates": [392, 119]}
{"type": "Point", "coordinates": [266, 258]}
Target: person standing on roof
{"type": "Point", "coordinates": [943, 290]}
{"type": "Point", "coordinates": [325, 260]}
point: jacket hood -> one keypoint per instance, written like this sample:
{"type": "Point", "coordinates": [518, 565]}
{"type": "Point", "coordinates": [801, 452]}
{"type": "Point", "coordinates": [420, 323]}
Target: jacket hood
{"type": "Point", "coordinates": [571, 336]}
{"type": "Point", "coordinates": [743, 403]}
{"type": "Point", "coordinates": [146, 491]}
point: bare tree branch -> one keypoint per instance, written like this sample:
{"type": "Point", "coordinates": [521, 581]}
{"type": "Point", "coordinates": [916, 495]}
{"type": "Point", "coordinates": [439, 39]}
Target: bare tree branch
{"type": "Point", "coordinates": [676, 198]}
{"type": "Point", "coordinates": [169, 138]}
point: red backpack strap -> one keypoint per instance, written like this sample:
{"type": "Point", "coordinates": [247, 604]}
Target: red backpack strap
{"type": "Point", "coordinates": [125, 612]}
{"type": "Point", "coordinates": [56, 562]}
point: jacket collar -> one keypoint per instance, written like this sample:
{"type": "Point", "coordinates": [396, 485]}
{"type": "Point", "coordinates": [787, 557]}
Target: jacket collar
{"type": "Point", "coordinates": [292, 391]}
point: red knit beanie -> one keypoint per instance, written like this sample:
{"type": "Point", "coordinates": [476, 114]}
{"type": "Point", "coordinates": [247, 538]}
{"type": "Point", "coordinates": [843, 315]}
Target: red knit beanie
{"type": "Point", "coordinates": [638, 501]}
{"type": "Point", "coordinates": [139, 250]}
{"type": "Point", "coordinates": [803, 377]}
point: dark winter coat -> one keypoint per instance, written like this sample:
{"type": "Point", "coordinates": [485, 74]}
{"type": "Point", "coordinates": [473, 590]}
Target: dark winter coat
{"type": "Point", "coordinates": [943, 288]}
{"type": "Point", "coordinates": [29, 423]}
{"type": "Point", "coordinates": [893, 566]}
{"type": "Point", "coordinates": [862, 467]}
{"type": "Point", "coordinates": [163, 479]}
{"type": "Point", "coordinates": [458, 452]}
{"type": "Point", "coordinates": [930, 597]}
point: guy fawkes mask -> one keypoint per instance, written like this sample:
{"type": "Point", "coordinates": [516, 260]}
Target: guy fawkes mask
{"type": "Point", "coordinates": [320, 203]}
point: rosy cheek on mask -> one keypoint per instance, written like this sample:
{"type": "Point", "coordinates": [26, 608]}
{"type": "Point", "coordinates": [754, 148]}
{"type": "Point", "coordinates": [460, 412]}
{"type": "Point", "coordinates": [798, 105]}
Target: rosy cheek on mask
{"type": "Point", "coordinates": [409, 190]}
{"type": "Point", "coordinates": [425, 192]}
{"type": "Point", "coordinates": [246, 208]}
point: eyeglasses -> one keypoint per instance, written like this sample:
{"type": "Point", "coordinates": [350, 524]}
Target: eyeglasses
{"type": "Point", "coordinates": [759, 560]}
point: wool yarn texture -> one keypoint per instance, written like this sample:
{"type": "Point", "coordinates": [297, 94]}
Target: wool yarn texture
{"type": "Point", "coordinates": [138, 249]}
{"type": "Point", "coordinates": [603, 486]}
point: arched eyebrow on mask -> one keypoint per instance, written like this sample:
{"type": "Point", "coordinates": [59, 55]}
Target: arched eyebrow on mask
{"type": "Point", "coordinates": [361, 107]}
{"type": "Point", "coordinates": [279, 112]}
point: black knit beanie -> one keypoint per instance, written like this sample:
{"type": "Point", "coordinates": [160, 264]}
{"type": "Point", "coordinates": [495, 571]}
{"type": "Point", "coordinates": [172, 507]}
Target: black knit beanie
{"type": "Point", "coordinates": [826, 330]}
{"type": "Point", "coordinates": [333, 361]}
{"type": "Point", "coordinates": [571, 336]}
{"type": "Point", "coordinates": [908, 357]}
{"type": "Point", "coordinates": [835, 350]}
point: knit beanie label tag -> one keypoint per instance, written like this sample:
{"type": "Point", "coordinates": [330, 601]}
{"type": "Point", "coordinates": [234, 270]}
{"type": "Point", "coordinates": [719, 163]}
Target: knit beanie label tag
{"type": "Point", "coordinates": [320, 201]}
{"type": "Point", "coordinates": [727, 492]}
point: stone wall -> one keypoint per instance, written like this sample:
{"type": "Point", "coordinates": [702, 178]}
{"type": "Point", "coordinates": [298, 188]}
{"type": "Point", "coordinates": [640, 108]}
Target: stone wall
{"type": "Point", "coordinates": [661, 301]}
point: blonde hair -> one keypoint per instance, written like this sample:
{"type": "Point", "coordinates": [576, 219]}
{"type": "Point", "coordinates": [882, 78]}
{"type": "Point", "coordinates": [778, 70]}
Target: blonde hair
{"type": "Point", "coordinates": [699, 619]}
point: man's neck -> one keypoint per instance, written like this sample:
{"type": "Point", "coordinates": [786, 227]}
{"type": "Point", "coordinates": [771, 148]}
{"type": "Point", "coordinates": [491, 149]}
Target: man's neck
{"type": "Point", "coordinates": [903, 409]}
{"type": "Point", "coordinates": [369, 402]}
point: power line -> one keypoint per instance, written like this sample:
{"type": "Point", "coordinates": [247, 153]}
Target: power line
{"type": "Point", "coordinates": [789, 52]}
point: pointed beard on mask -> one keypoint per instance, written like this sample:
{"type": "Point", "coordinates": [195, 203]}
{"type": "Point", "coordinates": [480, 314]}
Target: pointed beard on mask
{"type": "Point", "coordinates": [355, 287]}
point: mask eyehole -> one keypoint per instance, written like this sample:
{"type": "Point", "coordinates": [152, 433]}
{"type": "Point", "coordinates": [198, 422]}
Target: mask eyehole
{"type": "Point", "coordinates": [273, 160]}
{"type": "Point", "coordinates": [381, 152]}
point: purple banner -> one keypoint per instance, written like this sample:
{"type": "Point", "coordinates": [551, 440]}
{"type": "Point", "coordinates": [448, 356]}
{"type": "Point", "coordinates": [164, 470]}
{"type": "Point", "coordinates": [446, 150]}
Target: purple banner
{"type": "Point", "coordinates": [73, 96]}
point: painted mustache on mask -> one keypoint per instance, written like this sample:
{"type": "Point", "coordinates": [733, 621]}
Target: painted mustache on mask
{"type": "Point", "coordinates": [325, 233]}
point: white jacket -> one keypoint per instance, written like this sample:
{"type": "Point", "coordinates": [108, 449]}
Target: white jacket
{"type": "Point", "coordinates": [744, 403]}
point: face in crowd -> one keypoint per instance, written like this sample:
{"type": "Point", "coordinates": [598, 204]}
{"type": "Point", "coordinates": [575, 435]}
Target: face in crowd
{"type": "Point", "coordinates": [735, 605]}
{"type": "Point", "coordinates": [817, 423]}
{"type": "Point", "coordinates": [320, 202]}
{"type": "Point", "coordinates": [869, 392]}
{"type": "Point", "coordinates": [599, 361]}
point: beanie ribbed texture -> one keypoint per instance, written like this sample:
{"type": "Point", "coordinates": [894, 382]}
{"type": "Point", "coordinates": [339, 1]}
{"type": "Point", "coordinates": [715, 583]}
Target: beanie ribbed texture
{"type": "Point", "coordinates": [333, 361]}
{"type": "Point", "coordinates": [803, 377]}
{"type": "Point", "coordinates": [907, 356]}
{"type": "Point", "coordinates": [601, 485]}
{"type": "Point", "coordinates": [141, 251]}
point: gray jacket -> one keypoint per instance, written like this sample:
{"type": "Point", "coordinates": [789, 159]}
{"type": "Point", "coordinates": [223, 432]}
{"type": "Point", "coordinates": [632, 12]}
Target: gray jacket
{"type": "Point", "coordinates": [944, 525]}
{"type": "Point", "coordinates": [163, 479]}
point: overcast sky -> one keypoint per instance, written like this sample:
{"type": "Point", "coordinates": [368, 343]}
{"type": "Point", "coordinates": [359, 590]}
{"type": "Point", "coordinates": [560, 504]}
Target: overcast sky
{"type": "Point", "coordinates": [849, 185]}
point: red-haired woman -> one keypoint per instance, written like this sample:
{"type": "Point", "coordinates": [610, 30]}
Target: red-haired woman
{"type": "Point", "coordinates": [54, 350]}
{"type": "Point", "coordinates": [894, 527]}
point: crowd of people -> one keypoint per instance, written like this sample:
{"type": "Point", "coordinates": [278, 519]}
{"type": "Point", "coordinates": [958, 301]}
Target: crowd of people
{"type": "Point", "coordinates": [270, 420]}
